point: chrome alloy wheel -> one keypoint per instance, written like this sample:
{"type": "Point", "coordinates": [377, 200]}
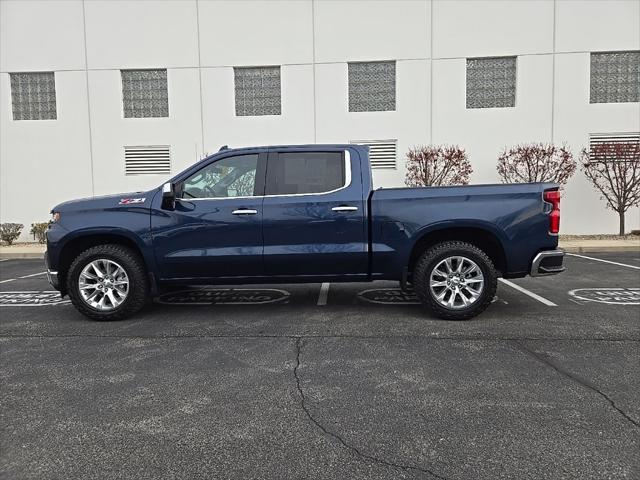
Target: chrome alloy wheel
{"type": "Point", "coordinates": [456, 282]}
{"type": "Point", "coordinates": [103, 284]}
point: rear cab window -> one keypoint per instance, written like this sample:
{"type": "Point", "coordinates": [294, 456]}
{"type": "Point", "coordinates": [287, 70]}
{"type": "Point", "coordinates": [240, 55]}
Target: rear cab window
{"type": "Point", "coordinates": [299, 173]}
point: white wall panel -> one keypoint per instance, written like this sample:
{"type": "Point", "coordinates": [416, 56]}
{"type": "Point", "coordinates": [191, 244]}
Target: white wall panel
{"type": "Point", "coordinates": [41, 35]}
{"type": "Point", "coordinates": [471, 28]}
{"type": "Point", "coordinates": [44, 162]}
{"type": "Point", "coordinates": [575, 118]}
{"type": "Point", "coordinates": [223, 127]}
{"type": "Point", "coordinates": [141, 34]}
{"type": "Point", "coordinates": [484, 132]}
{"type": "Point", "coordinates": [409, 124]}
{"type": "Point", "coordinates": [252, 33]}
{"type": "Point", "coordinates": [111, 131]}
{"type": "Point", "coordinates": [379, 30]}
{"type": "Point", "coordinates": [590, 25]}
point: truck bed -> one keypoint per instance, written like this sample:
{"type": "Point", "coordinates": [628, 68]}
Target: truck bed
{"type": "Point", "coordinates": [514, 214]}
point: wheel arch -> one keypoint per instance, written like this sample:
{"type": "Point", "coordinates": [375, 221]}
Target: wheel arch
{"type": "Point", "coordinates": [483, 237]}
{"type": "Point", "coordinates": [85, 240]}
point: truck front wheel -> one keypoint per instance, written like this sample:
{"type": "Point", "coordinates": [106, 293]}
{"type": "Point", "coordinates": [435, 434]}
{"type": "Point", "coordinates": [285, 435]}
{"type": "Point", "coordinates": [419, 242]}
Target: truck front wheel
{"type": "Point", "coordinates": [455, 280]}
{"type": "Point", "coordinates": [108, 282]}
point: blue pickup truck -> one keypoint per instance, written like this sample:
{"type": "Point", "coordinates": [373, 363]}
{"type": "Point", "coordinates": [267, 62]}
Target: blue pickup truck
{"type": "Point", "coordinates": [308, 213]}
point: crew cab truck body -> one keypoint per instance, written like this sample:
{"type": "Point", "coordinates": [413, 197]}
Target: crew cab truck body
{"type": "Point", "coordinates": [306, 213]}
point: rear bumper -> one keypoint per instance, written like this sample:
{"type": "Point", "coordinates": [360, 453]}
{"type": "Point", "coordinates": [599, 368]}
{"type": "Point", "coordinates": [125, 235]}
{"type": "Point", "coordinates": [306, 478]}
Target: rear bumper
{"type": "Point", "coordinates": [547, 262]}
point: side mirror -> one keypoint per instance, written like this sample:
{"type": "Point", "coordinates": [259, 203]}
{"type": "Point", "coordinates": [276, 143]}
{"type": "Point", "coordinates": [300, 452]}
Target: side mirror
{"type": "Point", "coordinates": [168, 196]}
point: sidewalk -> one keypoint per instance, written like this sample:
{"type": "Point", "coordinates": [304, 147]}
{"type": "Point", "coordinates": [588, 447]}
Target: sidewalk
{"type": "Point", "coordinates": [23, 250]}
{"type": "Point", "coordinates": [35, 250]}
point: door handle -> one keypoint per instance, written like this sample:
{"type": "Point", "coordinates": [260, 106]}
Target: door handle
{"type": "Point", "coordinates": [344, 208]}
{"type": "Point", "coordinates": [244, 211]}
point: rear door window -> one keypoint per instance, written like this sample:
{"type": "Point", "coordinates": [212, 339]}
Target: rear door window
{"type": "Point", "coordinates": [305, 172]}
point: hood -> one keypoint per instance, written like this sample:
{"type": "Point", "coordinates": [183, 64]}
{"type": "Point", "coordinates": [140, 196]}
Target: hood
{"type": "Point", "coordinates": [134, 199]}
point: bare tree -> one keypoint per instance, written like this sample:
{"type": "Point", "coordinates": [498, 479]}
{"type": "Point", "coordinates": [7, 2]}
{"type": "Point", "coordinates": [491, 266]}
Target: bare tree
{"type": "Point", "coordinates": [437, 166]}
{"type": "Point", "coordinates": [536, 162]}
{"type": "Point", "coordinates": [614, 169]}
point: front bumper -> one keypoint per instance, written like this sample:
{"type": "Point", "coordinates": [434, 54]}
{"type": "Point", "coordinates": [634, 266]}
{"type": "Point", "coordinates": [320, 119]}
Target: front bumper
{"type": "Point", "coordinates": [52, 275]}
{"type": "Point", "coordinates": [547, 262]}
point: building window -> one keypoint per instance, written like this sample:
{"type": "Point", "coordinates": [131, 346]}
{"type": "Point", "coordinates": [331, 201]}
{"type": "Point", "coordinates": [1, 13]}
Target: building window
{"type": "Point", "coordinates": [372, 86]}
{"type": "Point", "coordinates": [144, 93]}
{"type": "Point", "coordinates": [615, 77]}
{"type": "Point", "coordinates": [33, 96]}
{"type": "Point", "coordinates": [491, 82]}
{"type": "Point", "coordinates": [382, 153]}
{"type": "Point", "coordinates": [257, 91]}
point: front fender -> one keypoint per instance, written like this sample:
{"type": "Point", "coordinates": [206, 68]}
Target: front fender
{"type": "Point", "coordinates": [59, 238]}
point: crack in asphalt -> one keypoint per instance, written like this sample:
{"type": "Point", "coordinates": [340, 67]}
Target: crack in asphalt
{"type": "Point", "coordinates": [545, 359]}
{"type": "Point", "coordinates": [303, 398]}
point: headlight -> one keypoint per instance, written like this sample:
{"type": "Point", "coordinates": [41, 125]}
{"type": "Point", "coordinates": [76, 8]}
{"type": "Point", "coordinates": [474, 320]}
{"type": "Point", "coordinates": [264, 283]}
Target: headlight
{"type": "Point", "coordinates": [55, 217]}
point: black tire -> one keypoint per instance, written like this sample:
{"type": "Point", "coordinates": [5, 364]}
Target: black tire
{"type": "Point", "coordinates": [133, 265]}
{"type": "Point", "coordinates": [432, 257]}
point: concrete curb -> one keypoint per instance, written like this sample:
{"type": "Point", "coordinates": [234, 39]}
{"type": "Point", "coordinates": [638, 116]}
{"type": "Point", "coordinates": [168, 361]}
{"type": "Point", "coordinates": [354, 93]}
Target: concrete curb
{"type": "Point", "coordinates": [602, 249]}
{"type": "Point", "coordinates": [21, 255]}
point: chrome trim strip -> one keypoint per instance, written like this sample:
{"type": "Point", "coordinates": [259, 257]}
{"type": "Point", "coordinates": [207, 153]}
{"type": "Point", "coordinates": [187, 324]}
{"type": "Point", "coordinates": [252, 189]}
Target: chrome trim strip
{"type": "Point", "coordinates": [535, 265]}
{"type": "Point", "coordinates": [347, 184]}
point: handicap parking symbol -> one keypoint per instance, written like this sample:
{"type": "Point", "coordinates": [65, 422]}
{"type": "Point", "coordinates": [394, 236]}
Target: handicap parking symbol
{"type": "Point", "coordinates": [610, 296]}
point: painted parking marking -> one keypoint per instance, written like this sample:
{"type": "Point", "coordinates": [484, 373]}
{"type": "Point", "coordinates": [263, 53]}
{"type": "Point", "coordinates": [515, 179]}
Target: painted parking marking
{"type": "Point", "coordinates": [324, 294]}
{"type": "Point", "coordinates": [610, 296]}
{"type": "Point", "coordinates": [224, 296]}
{"type": "Point", "coordinates": [31, 298]}
{"type": "Point", "coordinates": [33, 275]}
{"type": "Point", "coordinates": [388, 296]}
{"type": "Point", "coordinates": [24, 276]}
{"type": "Point", "coordinates": [529, 293]}
{"type": "Point", "coordinates": [604, 261]}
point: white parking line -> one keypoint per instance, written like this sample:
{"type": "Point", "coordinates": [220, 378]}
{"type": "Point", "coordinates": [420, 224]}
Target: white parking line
{"type": "Point", "coordinates": [529, 293]}
{"type": "Point", "coordinates": [604, 261]}
{"type": "Point", "coordinates": [24, 276]}
{"type": "Point", "coordinates": [324, 293]}
{"type": "Point", "coordinates": [33, 275]}
{"type": "Point", "coordinates": [3, 259]}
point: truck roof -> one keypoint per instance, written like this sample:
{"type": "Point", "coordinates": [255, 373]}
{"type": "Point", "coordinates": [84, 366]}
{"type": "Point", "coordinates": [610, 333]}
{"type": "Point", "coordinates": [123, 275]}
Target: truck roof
{"type": "Point", "coordinates": [309, 146]}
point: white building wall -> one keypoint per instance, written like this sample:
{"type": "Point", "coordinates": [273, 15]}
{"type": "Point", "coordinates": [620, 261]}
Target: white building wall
{"type": "Point", "coordinates": [43, 162]}
{"type": "Point", "coordinates": [199, 43]}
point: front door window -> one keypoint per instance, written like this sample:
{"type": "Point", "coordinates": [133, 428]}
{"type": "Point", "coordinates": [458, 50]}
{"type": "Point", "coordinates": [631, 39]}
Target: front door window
{"type": "Point", "coordinates": [227, 178]}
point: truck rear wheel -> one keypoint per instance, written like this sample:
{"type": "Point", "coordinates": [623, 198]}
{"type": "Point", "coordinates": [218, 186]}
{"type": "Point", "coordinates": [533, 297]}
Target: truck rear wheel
{"type": "Point", "coordinates": [455, 280]}
{"type": "Point", "coordinates": [108, 282]}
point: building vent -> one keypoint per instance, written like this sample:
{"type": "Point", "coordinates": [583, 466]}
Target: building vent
{"type": "Point", "coordinates": [596, 140]}
{"type": "Point", "coordinates": [382, 153]}
{"type": "Point", "coordinates": [147, 160]}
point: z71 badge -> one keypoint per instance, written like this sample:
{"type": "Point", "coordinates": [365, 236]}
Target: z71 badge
{"type": "Point", "coordinates": [131, 201]}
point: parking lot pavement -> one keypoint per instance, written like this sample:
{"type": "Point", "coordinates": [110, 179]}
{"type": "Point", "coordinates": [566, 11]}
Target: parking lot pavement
{"type": "Point", "coordinates": [333, 381]}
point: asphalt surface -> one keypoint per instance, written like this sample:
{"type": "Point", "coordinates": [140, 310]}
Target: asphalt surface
{"type": "Point", "coordinates": [305, 381]}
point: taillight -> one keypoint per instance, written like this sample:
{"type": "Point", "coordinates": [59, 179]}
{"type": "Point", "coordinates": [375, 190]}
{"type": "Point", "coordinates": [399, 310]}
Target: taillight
{"type": "Point", "coordinates": [553, 197]}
